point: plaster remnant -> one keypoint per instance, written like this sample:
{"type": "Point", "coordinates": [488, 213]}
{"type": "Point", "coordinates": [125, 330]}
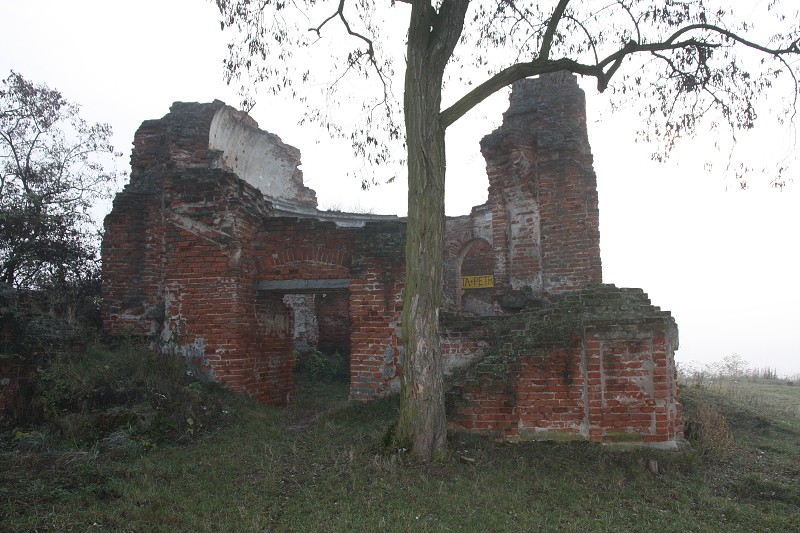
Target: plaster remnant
{"type": "Point", "coordinates": [258, 157]}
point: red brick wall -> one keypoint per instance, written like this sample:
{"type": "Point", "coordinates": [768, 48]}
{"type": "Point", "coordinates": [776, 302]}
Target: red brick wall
{"type": "Point", "coordinates": [272, 358]}
{"type": "Point", "coordinates": [195, 257]}
{"type": "Point", "coordinates": [376, 301]}
{"type": "Point", "coordinates": [177, 257]}
{"type": "Point", "coordinates": [463, 343]}
{"type": "Point", "coordinates": [133, 263]}
{"type": "Point", "coordinates": [371, 258]}
{"type": "Point", "coordinates": [211, 314]}
{"type": "Point", "coordinates": [608, 375]}
{"type": "Point", "coordinates": [133, 246]}
{"type": "Point", "coordinates": [188, 271]}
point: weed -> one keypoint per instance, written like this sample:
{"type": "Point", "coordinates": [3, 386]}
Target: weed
{"type": "Point", "coordinates": [101, 395]}
{"type": "Point", "coordinates": [711, 432]}
{"type": "Point", "coordinates": [317, 365]}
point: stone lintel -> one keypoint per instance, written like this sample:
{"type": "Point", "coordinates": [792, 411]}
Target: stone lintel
{"type": "Point", "coordinates": [304, 285]}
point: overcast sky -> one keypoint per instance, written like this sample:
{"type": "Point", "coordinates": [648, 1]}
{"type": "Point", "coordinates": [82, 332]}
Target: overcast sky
{"type": "Point", "coordinates": [722, 260]}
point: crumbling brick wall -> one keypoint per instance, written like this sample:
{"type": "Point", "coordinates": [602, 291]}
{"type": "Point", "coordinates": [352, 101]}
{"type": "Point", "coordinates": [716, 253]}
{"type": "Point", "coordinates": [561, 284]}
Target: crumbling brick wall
{"type": "Point", "coordinates": [542, 217]}
{"type": "Point", "coordinates": [364, 262]}
{"type": "Point", "coordinates": [30, 339]}
{"type": "Point", "coordinates": [216, 228]}
{"type": "Point", "coordinates": [597, 365]}
{"type": "Point", "coordinates": [190, 272]}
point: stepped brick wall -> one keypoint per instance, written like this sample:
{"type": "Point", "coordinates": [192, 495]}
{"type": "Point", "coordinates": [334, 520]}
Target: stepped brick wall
{"type": "Point", "coordinates": [597, 365]}
{"type": "Point", "coordinates": [215, 250]}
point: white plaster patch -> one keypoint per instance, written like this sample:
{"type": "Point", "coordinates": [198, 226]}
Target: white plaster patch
{"type": "Point", "coordinates": [256, 156]}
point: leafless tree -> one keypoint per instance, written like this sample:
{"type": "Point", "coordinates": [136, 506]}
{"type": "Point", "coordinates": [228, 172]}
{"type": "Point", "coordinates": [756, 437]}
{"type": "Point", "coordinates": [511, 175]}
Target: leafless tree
{"type": "Point", "coordinates": [680, 61]}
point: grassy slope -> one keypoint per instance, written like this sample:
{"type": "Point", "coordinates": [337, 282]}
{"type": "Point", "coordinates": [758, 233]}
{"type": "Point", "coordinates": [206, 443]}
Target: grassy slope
{"type": "Point", "coordinates": [319, 467]}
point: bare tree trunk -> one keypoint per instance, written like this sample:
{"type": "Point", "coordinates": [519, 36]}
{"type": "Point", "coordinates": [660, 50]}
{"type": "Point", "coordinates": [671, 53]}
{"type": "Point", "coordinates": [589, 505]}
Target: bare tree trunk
{"type": "Point", "coordinates": [422, 426]}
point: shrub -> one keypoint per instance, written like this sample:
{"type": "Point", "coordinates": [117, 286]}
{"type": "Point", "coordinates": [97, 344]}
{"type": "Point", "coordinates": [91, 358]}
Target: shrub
{"type": "Point", "coordinates": [317, 365]}
{"type": "Point", "coordinates": [708, 430]}
{"type": "Point", "coordinates": [131, 392]}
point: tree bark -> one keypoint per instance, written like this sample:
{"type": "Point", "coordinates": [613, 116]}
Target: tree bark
{"type": "Point", "coordinates": [422, 426]}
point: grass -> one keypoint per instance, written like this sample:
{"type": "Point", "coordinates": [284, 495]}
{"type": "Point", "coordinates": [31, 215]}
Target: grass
{"type": "Point", "coordinates": [320, 466]}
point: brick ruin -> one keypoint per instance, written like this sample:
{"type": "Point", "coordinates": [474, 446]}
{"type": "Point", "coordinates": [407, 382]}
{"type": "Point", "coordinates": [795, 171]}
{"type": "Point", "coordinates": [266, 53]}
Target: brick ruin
{"type": "Point", "coordinates": [216, 249]}
{"type": "Point", "coordinates": [31, 336]}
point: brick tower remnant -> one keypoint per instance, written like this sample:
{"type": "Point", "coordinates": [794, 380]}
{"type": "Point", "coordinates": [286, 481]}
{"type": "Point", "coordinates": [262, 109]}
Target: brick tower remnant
{"type": "Point", "coordinates": [541, 220]}
{"type": "Point", "coordinates": [543, 191]}
{"type": "Point", "coordinates": [565, 357]}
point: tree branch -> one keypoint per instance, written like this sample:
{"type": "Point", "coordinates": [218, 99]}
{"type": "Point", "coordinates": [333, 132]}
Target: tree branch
{"type": "Point", "coordinates": [318, 29]}
{"type": "Point", "coordinates": [370, 53]}
{"type": "Point", "coordinates": [508, 76]}
{"type": "Point", "coordinates": [547, 40]}
{"type": "Point", "coordinates": [793, 48]}
{"type": "Point", "coordinates": [602, 71]}
{"type": "Point", "coordinates": [588, 36]}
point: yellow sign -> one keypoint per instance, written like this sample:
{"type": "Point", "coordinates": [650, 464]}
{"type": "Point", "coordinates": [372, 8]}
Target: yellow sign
{"type": "Point", "coordinates": [477, 282]}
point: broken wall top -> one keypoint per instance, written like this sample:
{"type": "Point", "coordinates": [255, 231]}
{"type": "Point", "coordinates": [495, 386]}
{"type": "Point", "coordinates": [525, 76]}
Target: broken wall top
{"type": "Point", "coordinates": [215, 135]}
{"type": "Point", "coordinates": [547, 112]}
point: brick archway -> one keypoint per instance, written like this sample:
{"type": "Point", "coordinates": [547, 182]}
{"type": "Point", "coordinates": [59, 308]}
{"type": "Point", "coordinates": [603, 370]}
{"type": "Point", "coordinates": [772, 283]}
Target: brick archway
{"type": "Point", "coordinates": [322, 260]}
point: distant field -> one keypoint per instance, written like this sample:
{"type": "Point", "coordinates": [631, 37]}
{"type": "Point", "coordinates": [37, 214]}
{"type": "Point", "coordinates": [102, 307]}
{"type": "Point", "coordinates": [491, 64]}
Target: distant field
{"type": "Point", "coordinates": [777, 397]}
{"type": "Point", "coordinates": [320, 466]}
